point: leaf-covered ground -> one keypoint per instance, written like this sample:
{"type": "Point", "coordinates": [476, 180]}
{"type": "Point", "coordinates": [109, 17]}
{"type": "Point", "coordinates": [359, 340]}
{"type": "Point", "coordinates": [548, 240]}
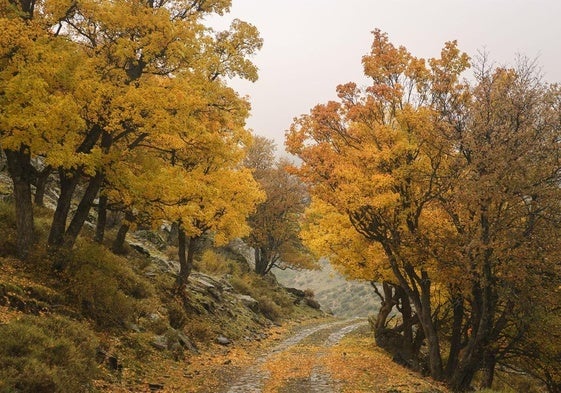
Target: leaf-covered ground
{"type": "Point", "coordinates": [325, 357]}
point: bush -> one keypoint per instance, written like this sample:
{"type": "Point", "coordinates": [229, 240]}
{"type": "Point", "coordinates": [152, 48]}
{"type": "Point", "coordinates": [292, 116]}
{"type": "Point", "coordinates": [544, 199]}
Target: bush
{"type": "Point", "coordinates": [176, 315]}
{"type": "Point", "coordinates": [200, 330]}
{"type": "Point", "coordinates": [46, 354]}
{"type": "Point", "coordinates": [270, 309]}
{"type": "Point", "coordinates": [216, 264]}
{"type": "Point", "coordinates": [243, 285]}
{"type": "Point", "coordinates": [104, 287]}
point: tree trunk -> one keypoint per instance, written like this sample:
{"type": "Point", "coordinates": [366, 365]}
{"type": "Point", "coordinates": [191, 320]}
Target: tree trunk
{"type": "Point", "coordinates": [83, 210]}
{"type": "Point", "coordinates": [101, 219]}
{"type": "Point", "coordinates": [118, 244]}
{"type": "Point", "coordinates": [19, 167]}
{"type": "Point", "coordinates": [41, 185]}
{"type": "Point", "coordinates": [431, 334]}
{"type": "Point", "coordinates": [86, 202]}
{"type": "Point", "coordinates": [186, 253]}
{"type": "Point", "coordinates": [407, 316]}
{"type": "Point", "coordinates": [473, 354]}
{"type": "Point", "coordinates": [489, 370]}
{"type": "Point", "coordinates": [418, 290]}
{"type": "Point", "coordinates": [456, 339]}
{"type": "Point", "coordinates": [261, 261]}
{"type": "Point", "coordinates": [386, 307]}
{"type": "Point", "coordinates": [68, 182]}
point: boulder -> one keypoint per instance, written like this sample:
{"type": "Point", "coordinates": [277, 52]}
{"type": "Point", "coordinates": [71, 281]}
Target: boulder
{"type": "Point", "coordinates": [223, 340]}
{"type": "Point", "coordinates": [312, 303]}
{"type": "Point", "coordinates": [160, 342]}
{"type": "Point", "coordinates": [296, 292]}
{"type": "Point", "coordinates": [186, 343]}
{"type": "Point", "coordinates": [249, 302]}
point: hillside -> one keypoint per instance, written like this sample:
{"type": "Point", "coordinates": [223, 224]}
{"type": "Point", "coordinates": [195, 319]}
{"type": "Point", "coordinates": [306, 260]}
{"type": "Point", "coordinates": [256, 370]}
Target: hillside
{"type": "Point", "coordinates": [342, 297]}
{"type": "Point", "coordinates": [115, 322]}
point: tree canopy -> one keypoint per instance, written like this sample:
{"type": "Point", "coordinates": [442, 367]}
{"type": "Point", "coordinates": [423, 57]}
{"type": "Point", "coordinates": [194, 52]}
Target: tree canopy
{"type": "Point", "coordinates": [275, 225]}
{"type": "Point", "coordinates": [451, 190]}
{"type": "Point", "coordinates": [129, 101]}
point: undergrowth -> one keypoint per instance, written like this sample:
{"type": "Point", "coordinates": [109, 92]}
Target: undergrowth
{"type": "Point", "coordinates": [46, 354]}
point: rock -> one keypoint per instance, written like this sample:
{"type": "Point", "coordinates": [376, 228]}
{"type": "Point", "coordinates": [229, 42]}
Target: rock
{"type": "Point", "coordinates": [215, 294]}
{"type": "Point", "coordinates": [296, 292]}
{"type": "Point", "coordinates": [160, 342]}
{"type": "Point", "coordinates": [155, 386]}
{"type": "Point", "coordinates": [140, 248]}
{"type": "Point", "coordinates": [186, 343]}
{"type": "Point", "coordinates": [249, 302]}
{"type": "Point", "coordinates": [153, 317]}
{"type": "Point", "coordinates": [313, 303]}
{"type": "Point", "coordinates": [223, 340]}
{"type": "Point", "coordinates": [205, 284]}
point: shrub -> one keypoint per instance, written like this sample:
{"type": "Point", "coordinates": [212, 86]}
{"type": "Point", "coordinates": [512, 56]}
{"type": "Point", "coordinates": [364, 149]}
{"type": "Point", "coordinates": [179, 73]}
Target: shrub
{"type": "Point", "coordinates": [243, 285]}
{"type": "Point", "coordinates": [200, 330]}
{"type": "Point", "coordinates": [103, 286]}
{"type": "Point", "coordinates": [216, 264]}
{"type": "Point", "coordinates": [176, 315]}
{"type": "Point", "coordinates": [270, 309]}
{"type": "Point", "coordinates": [46, 354]}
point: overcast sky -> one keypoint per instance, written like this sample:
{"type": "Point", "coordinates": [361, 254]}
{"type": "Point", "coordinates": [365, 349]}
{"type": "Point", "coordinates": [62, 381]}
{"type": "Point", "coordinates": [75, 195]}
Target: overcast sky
{"type": "Point", "coordinates": [311, 46]}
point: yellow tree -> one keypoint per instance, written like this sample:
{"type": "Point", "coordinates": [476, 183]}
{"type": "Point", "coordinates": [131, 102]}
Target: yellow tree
{"type": "Point", "coordinates": [190, 174]}
{"type": "Point", "coordinates": [135, 57]}
{"type": "Point", "coordinates": [136, 45]}
{"type": "Point", "coordinates": [37, 108]}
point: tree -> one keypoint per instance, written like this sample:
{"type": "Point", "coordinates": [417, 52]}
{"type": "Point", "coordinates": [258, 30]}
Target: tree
{"type": "Point", "coordinates": [152, 79]}
{"type": "Point", "coordinates": [457, 183]}
{"type": "Point", "coordinates": [36, 104]}
{"type": "Point", "coordinates": [275, 225]}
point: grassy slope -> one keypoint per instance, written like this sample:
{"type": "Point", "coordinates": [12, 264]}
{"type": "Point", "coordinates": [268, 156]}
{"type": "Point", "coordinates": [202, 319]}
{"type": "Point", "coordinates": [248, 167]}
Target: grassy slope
{"type": "Point", "coordinates": [141, 331]}
{"type": "Point", "coordinates": [343, 297]}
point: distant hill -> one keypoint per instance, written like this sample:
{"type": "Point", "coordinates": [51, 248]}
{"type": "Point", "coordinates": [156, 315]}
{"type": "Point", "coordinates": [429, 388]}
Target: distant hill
{"type": "Point", "coordinates": [345, 298]}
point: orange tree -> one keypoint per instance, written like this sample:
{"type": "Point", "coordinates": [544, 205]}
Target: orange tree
{"type": "Point", "coordinates": [276, 222]}
{"type": "Point", "coordinates": [455, 183]}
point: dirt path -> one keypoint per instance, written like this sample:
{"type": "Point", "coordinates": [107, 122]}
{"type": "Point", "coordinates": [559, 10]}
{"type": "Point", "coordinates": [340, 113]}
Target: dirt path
{"type": "Point", "coordinates": [296, 364]}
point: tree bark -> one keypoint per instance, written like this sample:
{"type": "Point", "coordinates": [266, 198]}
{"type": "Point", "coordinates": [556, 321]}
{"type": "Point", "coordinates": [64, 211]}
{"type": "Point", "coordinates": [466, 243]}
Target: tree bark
{"type": "Point", "coordinates": [41, 185]}
{"type": "Point", "coordinates": [119, 242]}
{"type": "Point", "coordinates": [419, 294]}
{"type": "Point", "coordinates": [19, 167]}
{"type": "Point", "coordinates": [83, 210]}
{"type": "Point", "coordinates": [260, 261]}
{"type": "Point", "coordinates": [68, 182]}
{"type": "Point", "coordinates": [101, 219]}
{"type": "Point", "coordinates": [456, 338]}
{"type": "Point", "coordinates": [431, 334]}
{"type": "Point", "coordinates": [386, 307]}
{"type": "Point", "coordinates": [186, 253]}
{"type": "Point", "coordinates": [489, 370]}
